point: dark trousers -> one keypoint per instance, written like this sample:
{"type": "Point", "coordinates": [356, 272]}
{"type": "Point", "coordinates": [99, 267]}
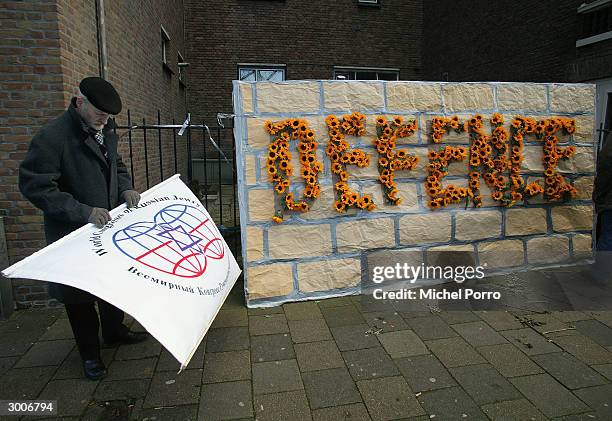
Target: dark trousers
{"type": "Point", "coordinates": [602, 269]}
{"type": "Point", "coordinates": [85, 326]}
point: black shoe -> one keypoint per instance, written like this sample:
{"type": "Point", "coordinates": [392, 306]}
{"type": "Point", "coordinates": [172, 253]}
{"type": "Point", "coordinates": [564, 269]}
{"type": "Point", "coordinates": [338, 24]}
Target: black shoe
{"type": "Point", "coordinates": [128, 337]}
{"type": "Point", "coordinates": [94, 369]}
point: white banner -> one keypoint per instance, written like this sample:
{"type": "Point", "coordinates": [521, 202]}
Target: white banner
{"type": "Point", "coordinates": [163, 262]}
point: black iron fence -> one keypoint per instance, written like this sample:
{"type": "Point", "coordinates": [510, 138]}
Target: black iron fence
{"type": "Point", "coordinates": [203, 155]}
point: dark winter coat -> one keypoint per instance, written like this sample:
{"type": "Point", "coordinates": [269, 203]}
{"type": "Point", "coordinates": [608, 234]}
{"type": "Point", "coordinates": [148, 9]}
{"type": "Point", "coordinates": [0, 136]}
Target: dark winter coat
{"type": "Point", "coordinates": [602, 190]}
{"type": "Point", "coordinates": [65, 174]}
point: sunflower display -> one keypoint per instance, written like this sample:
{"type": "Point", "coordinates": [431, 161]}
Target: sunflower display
{"type": "Point", "coordinates": [279, 167]}
{"type": "Point", "coordinates": [438, 169]}
{"type": "Point", "coordinates": [338, 152]}
{"type": "Point", "coordinates": [389, 159]}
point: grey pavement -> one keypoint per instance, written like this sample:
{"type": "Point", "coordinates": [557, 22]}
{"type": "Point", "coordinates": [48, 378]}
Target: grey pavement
{"type": "Point", "coordinates": [334, 359]}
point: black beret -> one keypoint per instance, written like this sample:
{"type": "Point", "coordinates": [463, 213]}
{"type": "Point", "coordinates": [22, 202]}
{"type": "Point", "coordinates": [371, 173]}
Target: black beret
{"type": "Point", "coordinates": [101, 94]}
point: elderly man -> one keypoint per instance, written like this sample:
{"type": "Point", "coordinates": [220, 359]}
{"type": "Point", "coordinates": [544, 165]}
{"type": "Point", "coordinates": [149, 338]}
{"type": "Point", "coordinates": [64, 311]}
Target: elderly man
{"type": "Point", "coordinates": [73, 173]}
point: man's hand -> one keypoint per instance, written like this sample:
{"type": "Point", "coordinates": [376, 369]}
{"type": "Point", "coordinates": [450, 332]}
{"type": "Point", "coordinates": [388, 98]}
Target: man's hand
{"type": "Point", "coordinates": [99, 217]}
{"type": "Point", "coordinates": [131, 197]}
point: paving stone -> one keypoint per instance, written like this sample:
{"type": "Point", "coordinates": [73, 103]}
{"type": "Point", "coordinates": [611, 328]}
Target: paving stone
{"type": "Point", "coordinates": [306, 310]}
{"type": "Point", "coordinates": [342, 316]}
{"type": "Point", "coordinates": [6, 364]}
{"type": "Point", "coordinates": [599, 398]}
{"type": "Point", "coordinates": [167, 362]}
{"type": "Point", "coordinates": [59, 330]}
{"type": "Point", "coordinates": [402, 343]}
{"type": "Point", "coordinates": [584, 349]}
{"type": "Point", "coordinates": [584, 416]}
{"type": "Point", "coordinates": [368, 304]}
{"type": "Point", "coordinates": [265, 310]}
{"type": "Point", "coordinates": [603, 316]}
{"type": "Point", "coordinates": [72, 367]}
{"type": "Point", "coordinates": [354, 412]}
{"type": "Point", "coordinates": [518, 410]}
{"type": "Point", "coordinates": [414, 313]}
{"type": "Point", "coordinates": [568, 370]}
{"type": "Point", "coordinates": [454, 352]}
{"type": "Point", "coordinates": [499, 320]}
{"type": "Point", "coordinates": [282, 406]}
{"type": "Point", "coordinates": [595, 330]}
{"type": "Point", "coordinates": [335, 302]}
{"type": "Point", "coordinates": [333, 387]}
{"type": "Point", "coordinates": [131, 369]}
{"type": "Point", "coordinates": [548, 396]}
{"type": "Point", "coordinates": [72, 395]}
{"type": "Point", "coordinates": [571, 316]}
{"type": "Point", "coordinates": [389, 398]}
{"type": "Point", "coordinates": [231, 318]}
{"type": "Point", "coordinates": [424, 372]}
{"type": "Point", "coordinates": [309, 330]}
{"type": "Point", "coordinates": [24, 383]}
{"type": "Point", "coordinates": [484, 384]}
{"type": "Point", "coordinates": [387, 321]}
{"type": "Point", "coordinates": [276, 376]}
{"type": "Point", "coordinates": [183, 413]}
{"type": "Point", "coordinates": [451, 403]}
{"type": "Point", "coordinates": [369, 363]}
{"type": "Point", "coordinates": [222, 401]}
{"type": "Point", "coordinates": [479, 333]}
{"type": "Point", "coordinates": [268, 324]}
{"type": "Point", "coordinates": [169, 389]}
{"type": "Point", "coordinates": [148, 348]}
{"type": "Point", "coordinates": [545, 323]}
{"type": "Point", "coordinates": [431, 327]}
{"type": "Point", "coordinates": [318, 356]}
{"type": "Point", "coordinates": [46, 353]}
{"type": "Point", "coordinates": [354, 337]}
{"type": "Point", "coordinates": [14, 345]}
{"type": "Point", "coordinates": [453, 317]}
{"type": "Point", "coordinates": [271, 348]}
{"type": "Point", "coordinates": [121, 390]}
{"type": "Point", "coordinates": [227, 367]}
{"type": "Point", "coordinates": [227, 339]}
{"type": "Point", "coordinates": [604, 369]}
{"type": "Point", "coordinates": [529, 341]}
{"type": "Point", "coordinates": [509, 361]}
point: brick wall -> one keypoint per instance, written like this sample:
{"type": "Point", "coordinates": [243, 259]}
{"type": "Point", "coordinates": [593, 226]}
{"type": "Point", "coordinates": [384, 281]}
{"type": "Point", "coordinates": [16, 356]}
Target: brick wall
{"type": "Point", "coordinates": [47, 47]}
{"type": "Point", "coordinates": [310, 38]}
{"type": "Point", "coordinates": [325, 253]}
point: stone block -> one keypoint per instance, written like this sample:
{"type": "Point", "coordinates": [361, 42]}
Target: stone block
{"type": "Point", "coordinates": [585, 129]}
{"type": "Point", "coordinates": [250, 165]}
{"type": "Point", "coordinates": [365, 234]}
{"type": "Point", "coordinates": [402, 96]}
{"type": "Point", "coordinates": [295, 241]}
{"type": "Point", "coordinates": [288, 97]}
{"type": "Point", "coordinates": [527, 97]}
{"type": "Point", "coordinates": [525, 221]}
{"type": "Point", "coordinates": [257, 137]}
{"type": "Point", "coordinates": [572, 98]}
{"type": "Point", "coordinates": [255, 247]}
{"type": "Point", "coordinates": [476, 225]}
{"type": "Point", "coordinates": [498, 254]}
{"type": "Point", "coordinates": [328, 274]}
{"type": "Point", "coordinates": [261, 204]}
{"type": "Point", "coordinates": [584, 186]}
{"type": "Point", "coordinates": [462, 97]}
{"type": "Point", "coordinates": [425, 228]}
{"type": "Point", "coordinates": [323, 207]}
{"type": "Point", "coordinates": [572, 218]}
{"type": "Point", "coordinates": [266, 281]}
{"type": "Point", "coordinates": [246, 91]}
{"type": "Point", "coordinates": [583, 161]}
{"type": "Point", "coordinates": [533, 159]}
{"type": "Point", "coordinates": [551, 249]}
{"type": "Point", "coordinates": [353, 96]}
{"type": "Point", "coordinates": [582, 245]}
{"type": "Point", "coordinates": [461, 255]}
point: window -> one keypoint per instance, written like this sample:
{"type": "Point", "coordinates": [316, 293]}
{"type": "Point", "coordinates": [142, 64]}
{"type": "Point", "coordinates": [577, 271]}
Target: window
{"type": "Point", "coordinates": [256, 73]}
{"type": "Point", "coordinates": [165, 46]}
{"type": "Point", "coordinates": [596, 22]}
{"type": "Point", "coordinates": [181, 65]}
{"type": "Point", "coordinates": [369, 2]}
{"type": "Point", "coordinates": [358, 73]}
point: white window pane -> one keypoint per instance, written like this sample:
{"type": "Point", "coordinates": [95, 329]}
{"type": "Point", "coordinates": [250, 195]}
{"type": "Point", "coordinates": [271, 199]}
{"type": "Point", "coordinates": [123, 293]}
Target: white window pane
{"type": "Point", "coordinates": [270, 75]}
{"type": "Point", "coordinates": [247, 74]}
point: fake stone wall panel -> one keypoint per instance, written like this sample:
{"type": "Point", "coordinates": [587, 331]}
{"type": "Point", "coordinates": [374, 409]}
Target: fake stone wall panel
{"type": "Point", "coordinates": [322, 252]}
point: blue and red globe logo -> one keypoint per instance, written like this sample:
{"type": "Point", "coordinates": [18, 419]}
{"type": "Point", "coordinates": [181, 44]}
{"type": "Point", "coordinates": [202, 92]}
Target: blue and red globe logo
{"type": "Point", "coordinates": [179, 241]}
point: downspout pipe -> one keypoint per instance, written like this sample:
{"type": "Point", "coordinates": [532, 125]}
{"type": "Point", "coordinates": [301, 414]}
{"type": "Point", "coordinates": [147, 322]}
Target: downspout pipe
{"type": "Point", "coordinates": [101, 38]}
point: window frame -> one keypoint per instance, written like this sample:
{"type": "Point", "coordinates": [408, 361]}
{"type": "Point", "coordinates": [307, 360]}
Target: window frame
{"type": "Point", "coordinates": [356, 70]}
{"type": "Point", "coordinates": [261, 66]}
